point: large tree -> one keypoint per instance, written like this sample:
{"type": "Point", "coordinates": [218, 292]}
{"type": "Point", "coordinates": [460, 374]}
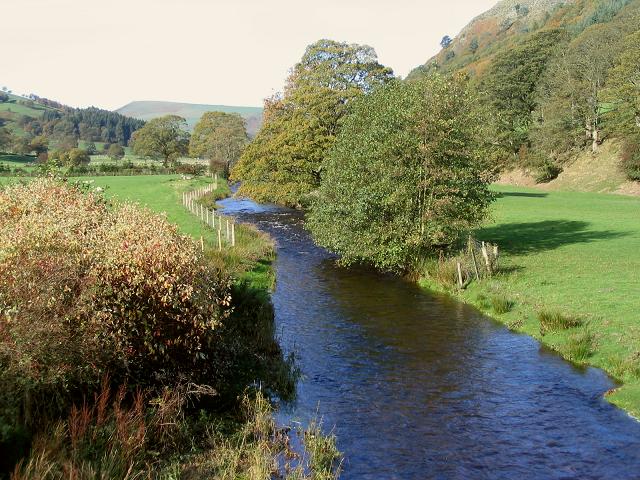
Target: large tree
{"type": "Point", "coordinates": [409, 172]}
{"type": "Point", "coordinates": [284, 162]}
{"type": "Point", "coordinates": [163, 138]}
{"type": "Point", "coordinates": [220, 137]}
{"type": "Point", "coordinates": [623, 90]}
{"type": "Point", "coordinates": [571, 93]}
{"type": "Point", "coordinates": [512, 84]}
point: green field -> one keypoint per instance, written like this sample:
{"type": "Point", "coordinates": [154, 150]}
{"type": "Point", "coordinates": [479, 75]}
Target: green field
{"type": "Point", "coordinates": [576, 253]}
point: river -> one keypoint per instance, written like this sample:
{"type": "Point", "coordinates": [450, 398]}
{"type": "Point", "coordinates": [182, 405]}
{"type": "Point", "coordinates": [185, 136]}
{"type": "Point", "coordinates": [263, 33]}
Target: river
{"type": "Point", "coordinates": [418, 385]}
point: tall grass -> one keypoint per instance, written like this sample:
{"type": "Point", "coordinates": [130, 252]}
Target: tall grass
{"type": "Point", "coordinates": [553, 321]}
{"type": "Point", "coordinates": [581, 345]}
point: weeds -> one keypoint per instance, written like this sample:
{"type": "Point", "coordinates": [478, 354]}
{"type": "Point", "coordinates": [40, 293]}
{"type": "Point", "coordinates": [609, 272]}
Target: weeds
{"type": "Point", "coordinates": [628, 367]}
{"type": "Point", "coordinates": [501, 304]}
{"type": "Point", "coordinates": [581, 345]}
{"type": "Point", "coordinates": [553, 321]}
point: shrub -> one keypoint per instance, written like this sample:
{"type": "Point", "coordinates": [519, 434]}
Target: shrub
{"type": "Point", "coordinates": [86, 289]}
{"type": "Point", "coordinates": [115, 152]}
{"type": "Point", "coordinates": [630, 160]}
{"type": "Point", "coordinates": [548, 171]}
{"type": "Point", "coordinates": [553, 321]}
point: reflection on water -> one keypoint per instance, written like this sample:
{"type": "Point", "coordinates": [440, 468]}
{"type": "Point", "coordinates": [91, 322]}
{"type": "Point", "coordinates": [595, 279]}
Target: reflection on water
{"type": "Point", "coordinates": [420, 386]}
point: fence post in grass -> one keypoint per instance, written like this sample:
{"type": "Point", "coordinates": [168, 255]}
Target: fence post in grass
{"type": "Point", "coordinates": [233, 234]}
{"type": "Point", "coordinates": [207, 215]}
{"type": "Point", "coordinates": [475, 264]}
{"type": "Point", "coordinates": [459, 268]}
{"type": "Point", "coordinates": [216, 181]}
{"type": "Point", "coordinates": [228, 233]}
{"type": "Point", "coordinates": [201, 243]}
{"type": "Point", "coordinates": [485, 254]}
{"type": "Point", "coordinates": [219, 240]}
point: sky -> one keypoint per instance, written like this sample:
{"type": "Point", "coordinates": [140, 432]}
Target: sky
{"type": "Point", "coordinates": [230, 52]}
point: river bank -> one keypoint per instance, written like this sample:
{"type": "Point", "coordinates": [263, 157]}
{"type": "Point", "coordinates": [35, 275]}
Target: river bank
{"type": "Point", "coordinates": [574, 254]}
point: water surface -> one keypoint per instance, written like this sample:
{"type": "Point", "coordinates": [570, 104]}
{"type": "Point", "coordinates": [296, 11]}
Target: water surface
{"type": "Point", "coordinates": [419, 385]}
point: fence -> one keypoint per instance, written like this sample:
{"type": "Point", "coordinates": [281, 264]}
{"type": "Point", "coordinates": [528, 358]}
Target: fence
{"type": "Point", "coordinates": [479, 260]}
{"type": "Point", "coordinates": [225, 227]}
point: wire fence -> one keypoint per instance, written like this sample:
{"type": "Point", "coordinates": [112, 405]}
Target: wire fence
{"type": "Point", "coordinates": [477, 261]}
{"type": "Point", "coordinates": [225, 227]}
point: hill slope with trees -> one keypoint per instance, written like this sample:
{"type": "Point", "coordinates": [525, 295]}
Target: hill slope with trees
{"type": "Point", "coordinates": [561, 77]}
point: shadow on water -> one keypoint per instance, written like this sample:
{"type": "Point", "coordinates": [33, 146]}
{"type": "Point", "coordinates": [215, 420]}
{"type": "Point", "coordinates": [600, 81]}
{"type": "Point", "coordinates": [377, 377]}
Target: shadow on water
{"type": "Point", "coordinates": [527, 237]}
{"type": "Point", "coordinates": [420, 386]}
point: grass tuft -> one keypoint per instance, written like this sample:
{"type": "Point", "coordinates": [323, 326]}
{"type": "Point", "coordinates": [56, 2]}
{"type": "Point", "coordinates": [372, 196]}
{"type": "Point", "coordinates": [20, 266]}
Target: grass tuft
{"type": "Point", "coordinates": [581, 345]}
{"type": "Point", "coordinates": [501, 304]}
{"type": "Point", "coordinates": [554, 321]}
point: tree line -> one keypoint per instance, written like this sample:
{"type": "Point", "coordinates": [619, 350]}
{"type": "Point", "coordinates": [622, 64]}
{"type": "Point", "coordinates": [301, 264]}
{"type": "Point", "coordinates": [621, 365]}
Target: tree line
{"type": "Point", "coordinates": [391, 171]}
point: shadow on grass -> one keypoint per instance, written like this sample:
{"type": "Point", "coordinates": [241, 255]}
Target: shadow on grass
{"type": "Point", "coordinates": [522, 194]}
{"type": "Point", "coordinates": [520, 238]}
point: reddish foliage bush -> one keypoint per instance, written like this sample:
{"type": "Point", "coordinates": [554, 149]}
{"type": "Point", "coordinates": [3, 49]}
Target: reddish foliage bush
{"type": "Point", "coordinates": [86, 289]}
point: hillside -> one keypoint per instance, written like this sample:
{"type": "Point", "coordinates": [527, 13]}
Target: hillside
{"type": "Point", "coordinates": [17, 107]}
{"type": "Point", "coordinates": [559, 78]}
{"type": "Point", "coordinates": [510, 23]}
{"type": "Point", "coordinates": [146, 110]}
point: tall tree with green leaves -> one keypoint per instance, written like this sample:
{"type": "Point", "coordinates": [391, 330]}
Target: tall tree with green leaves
{"type": "Point", "coordinates": [6, 139]}
{"type": "Point", "coordinates": [571, 93]}
{"type": "Point", "coordinates": [512, 84]}
{"type": "Point", "coordinates": [220, 137]}
{"type": "Point", "coordinates": [163, 138]}
{"type": "Point", "coordinates": [409, 172]}
{"type": "Point", "coordinates": [284, 162]}
{"type": "Point", "coordinates": [623, 90]}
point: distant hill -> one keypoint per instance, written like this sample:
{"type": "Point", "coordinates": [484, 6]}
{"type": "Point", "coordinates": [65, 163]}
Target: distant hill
{"type": "Point", "coordinates": [146, 110]}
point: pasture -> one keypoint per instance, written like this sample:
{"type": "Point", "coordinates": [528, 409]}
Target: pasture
{"type": "Point", "coordinates": [575, 254]}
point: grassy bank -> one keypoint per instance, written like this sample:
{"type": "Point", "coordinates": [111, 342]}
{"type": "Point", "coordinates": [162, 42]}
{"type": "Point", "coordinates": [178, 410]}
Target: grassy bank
{"type": "Point", "coordinates": [569, 277]}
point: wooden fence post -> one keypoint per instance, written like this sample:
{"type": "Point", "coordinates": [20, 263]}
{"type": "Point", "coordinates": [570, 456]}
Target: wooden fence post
{"type": "Point", "coordinates": [228, 233]}
{"type": "Point", "coordinates": [220, 240]}
{"type": "Point", "coordinates": [459, 268]}
{"type": "Point", "coordinates": [233, 234]}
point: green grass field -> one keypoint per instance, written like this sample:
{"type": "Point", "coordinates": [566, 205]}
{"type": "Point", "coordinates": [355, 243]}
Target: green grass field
{"type": "Point", "coordinates": [577, 253]}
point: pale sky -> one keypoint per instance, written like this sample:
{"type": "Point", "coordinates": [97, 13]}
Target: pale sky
{"type": "Point", "coordinates": [110, 52]}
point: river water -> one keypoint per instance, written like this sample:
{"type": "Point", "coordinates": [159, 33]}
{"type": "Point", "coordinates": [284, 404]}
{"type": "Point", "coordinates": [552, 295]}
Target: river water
{"type": "Point", "coordinates": [418, 385]}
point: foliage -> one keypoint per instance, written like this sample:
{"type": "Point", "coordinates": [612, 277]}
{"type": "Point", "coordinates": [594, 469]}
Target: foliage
{"type": "Point", "coordinates": [581, 345]}
{"type": "Point", "coordinates": [512, 84]}
{"type": "Point", "coordinates": [6, 138]}
{"type": "Point", "coordinates": [623, 91]}
{"type": "Point", "coordinates": [570, 111]}
{"type": "Point", "coordinates": [547, 171]}
{"type": "Point", "coordinates": [115, 152]}
{"type": "Point", "coordinates": [119, 439]}
{"type": "Point", "coordinates": [284, 162]}
{"type": "Point", "coordinates": [408, 174]}
{"type": "Point", "coordinates": [219, 137]}
{"type": "Point", "coordinates": [117, 286]}
{"type": "Point", "coordinates": [630, 160]}
{"type": "Point", "coordinates": [163, 138]}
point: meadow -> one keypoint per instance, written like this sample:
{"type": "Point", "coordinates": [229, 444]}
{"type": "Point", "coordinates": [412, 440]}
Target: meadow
{"type": "Point", "coordinates": [574, 256]}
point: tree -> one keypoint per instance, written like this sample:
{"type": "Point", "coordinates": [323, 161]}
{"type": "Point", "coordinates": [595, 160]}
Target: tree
{"type": "Point", "coordinates": [91, 148]}
{"type": "Point", "coordinates": [4, 97]}
{"type": "Point", "coordinates": [77, 156]}
{"type": "Point", "coordinates": [116, 152]}
{"type": "Point", "coordinates": [512, 84]}
{"type": "Point", "coordinates": [409, 172]}
{"type": "Point", "coordinates": [164, 138]}
{"type": "Point", "coordinates": [474, 45]}
{"type": "Point", "coordinates": [446, 41]}
{"type": "Point", "coordinates": [39, 144]}
{"type": "Point", "coordinates": [6, 139]}
{"type": "Point", "coordinates": [623, 90]}
{"type": "Point", "coordinates": [571, 93]}
{"type": "Point", "coordinates": [220, 137]}
{"type": "Point", "coordinates": [284, 162]}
